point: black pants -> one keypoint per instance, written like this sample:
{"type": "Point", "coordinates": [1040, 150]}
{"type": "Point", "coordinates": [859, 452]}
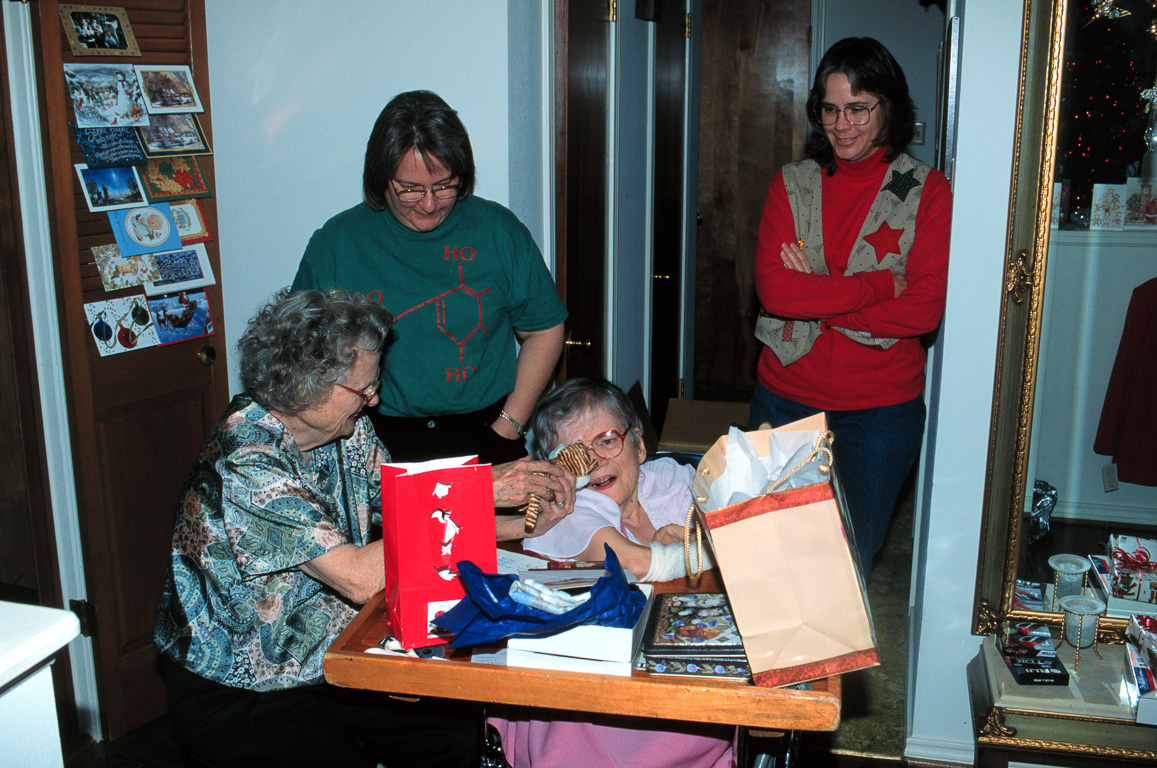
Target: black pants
{"type": "Point", "coordinates": [419, 438]}
{"type": "Point", "coordinates": [319, 726]}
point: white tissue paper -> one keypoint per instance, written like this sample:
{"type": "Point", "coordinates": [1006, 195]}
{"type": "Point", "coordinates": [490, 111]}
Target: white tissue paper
{"type": "Point", "coordinates": [748, 475]}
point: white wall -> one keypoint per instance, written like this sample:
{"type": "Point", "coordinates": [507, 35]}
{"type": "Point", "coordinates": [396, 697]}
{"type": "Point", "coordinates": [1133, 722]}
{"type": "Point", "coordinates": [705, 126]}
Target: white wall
{"type": "Point", "coordinates": [912, 30]}
{"type": "Point", "coordinates": [945, 568]}
{"type": "Point", "coordinates": [295, 94]}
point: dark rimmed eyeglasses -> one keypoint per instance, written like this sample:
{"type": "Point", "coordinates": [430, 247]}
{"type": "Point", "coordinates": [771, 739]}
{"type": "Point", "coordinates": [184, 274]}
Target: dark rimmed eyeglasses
{"type": "Point", "coordinates": [410, 195]}
{"type": "Point", "coordinates": [609, 444]}
{"type": "Point", "coordinates": [855, 114]}
{"type": "Point", "coordinates": [366, 394]}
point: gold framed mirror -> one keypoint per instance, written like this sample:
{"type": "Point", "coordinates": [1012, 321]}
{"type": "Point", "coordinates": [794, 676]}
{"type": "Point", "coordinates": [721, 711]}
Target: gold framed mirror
{"type": "Point", "coordinates": [1069, 276]}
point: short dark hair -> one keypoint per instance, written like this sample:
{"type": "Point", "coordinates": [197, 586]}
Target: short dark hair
{"type": "Point", "coordinates": [870, 67]}
{"type": "Point", "coordinates": [418, 120]}
{"type": "Point", "coordinates": [301, 343]}
{"type": "Point", "coordinates": [572, 399]}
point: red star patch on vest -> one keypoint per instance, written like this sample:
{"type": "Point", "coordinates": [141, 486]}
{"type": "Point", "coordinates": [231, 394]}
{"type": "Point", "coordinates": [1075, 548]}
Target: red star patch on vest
{"type": "Point", "coordinates": [885, 240]}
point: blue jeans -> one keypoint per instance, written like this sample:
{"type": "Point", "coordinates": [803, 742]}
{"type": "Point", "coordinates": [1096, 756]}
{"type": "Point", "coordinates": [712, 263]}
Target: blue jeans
{"type": "Point", "coordinates": [874, 450]}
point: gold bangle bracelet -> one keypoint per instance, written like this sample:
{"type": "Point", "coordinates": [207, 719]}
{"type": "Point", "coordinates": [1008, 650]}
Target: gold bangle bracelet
{"type": "Point", "coordinates": [514, 423]}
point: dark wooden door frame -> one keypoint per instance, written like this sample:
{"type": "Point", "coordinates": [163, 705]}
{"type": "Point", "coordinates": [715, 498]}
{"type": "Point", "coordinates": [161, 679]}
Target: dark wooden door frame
{"type": "Point", "coordinates": [581, 187]}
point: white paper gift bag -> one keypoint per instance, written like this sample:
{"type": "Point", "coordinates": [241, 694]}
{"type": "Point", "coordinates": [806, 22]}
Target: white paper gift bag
{"type": "Point", "coordinates": [787, 556]}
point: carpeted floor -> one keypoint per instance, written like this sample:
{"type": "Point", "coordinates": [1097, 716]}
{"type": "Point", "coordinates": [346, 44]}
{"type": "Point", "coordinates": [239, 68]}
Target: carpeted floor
{"type": "Point", "coordinates": [872, 722]}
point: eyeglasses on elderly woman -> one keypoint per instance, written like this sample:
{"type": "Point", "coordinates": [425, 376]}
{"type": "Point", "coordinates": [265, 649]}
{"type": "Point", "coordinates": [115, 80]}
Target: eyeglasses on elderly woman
{"type": "Point", "coordinates": [609, 444]}
{"type": "Point", "coordinates": [366, 394]}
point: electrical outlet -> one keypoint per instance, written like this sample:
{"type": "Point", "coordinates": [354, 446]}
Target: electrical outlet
{"type": "Point", "coordinates": [1109, 475]}
{"type": "Point", "coordinates": [918, 134]}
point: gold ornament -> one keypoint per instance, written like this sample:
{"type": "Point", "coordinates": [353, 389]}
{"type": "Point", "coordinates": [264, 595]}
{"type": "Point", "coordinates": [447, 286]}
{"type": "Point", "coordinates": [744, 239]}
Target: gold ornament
{"type": "Point", "coordinates": [1106, 10]}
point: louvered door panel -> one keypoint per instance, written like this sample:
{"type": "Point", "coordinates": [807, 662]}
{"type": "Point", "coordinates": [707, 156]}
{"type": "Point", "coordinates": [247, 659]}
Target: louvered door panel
{"type": "Point", "coordinates": [137, 418]}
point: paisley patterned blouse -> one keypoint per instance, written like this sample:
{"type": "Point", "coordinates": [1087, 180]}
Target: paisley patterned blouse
{"type": "Point", "coordinates": [237, 608]}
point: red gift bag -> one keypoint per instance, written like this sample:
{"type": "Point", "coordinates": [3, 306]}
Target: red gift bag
{"type": "Point", "coordinates": [434, 514]}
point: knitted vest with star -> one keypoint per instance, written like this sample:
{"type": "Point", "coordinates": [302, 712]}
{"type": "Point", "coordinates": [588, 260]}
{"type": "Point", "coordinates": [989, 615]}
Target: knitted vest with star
{"type": "Point", "coordinates": [895, 205]}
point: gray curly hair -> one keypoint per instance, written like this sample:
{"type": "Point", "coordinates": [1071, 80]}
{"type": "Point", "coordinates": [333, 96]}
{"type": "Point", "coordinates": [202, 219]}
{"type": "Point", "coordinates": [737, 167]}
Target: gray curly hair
{"type": "Point", "coordinates": [303, 342]}
{"type": "Point", "coordinates": [571, 400]}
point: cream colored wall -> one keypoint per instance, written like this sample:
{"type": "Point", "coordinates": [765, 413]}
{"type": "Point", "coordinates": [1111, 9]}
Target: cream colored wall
{"type": "Point", "coordinates": [946, 552]}
{"type": "Point", "coordinates": [295, 94]}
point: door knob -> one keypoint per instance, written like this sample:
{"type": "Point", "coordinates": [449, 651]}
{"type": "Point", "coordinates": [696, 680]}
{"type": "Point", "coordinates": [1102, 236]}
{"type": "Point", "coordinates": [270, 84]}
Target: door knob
{"type": "Point", "coordinates": [207, 356]}
{"type": "Point", "coordinates": [581, 344]}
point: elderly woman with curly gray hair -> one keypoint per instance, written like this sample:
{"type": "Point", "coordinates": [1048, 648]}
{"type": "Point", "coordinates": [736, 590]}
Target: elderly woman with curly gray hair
{"type": "Point", "coordinates": [272, 555]}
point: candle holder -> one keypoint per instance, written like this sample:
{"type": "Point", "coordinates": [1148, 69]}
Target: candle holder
{"type": "Point", "coordinates": [1069, 576]}
{"type": "Point", "coordinates": [1082, 615]}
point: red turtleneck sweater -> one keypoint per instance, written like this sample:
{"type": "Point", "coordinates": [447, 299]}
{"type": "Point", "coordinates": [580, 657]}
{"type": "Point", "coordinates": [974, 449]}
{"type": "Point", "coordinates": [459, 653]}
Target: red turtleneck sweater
{"type": "Point", "coordinates": [839, 374]}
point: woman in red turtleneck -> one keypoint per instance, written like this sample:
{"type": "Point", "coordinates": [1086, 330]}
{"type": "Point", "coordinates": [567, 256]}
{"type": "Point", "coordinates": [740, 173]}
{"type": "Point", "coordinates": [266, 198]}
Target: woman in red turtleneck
{"type": "Point", "coordinates": [850, 269]}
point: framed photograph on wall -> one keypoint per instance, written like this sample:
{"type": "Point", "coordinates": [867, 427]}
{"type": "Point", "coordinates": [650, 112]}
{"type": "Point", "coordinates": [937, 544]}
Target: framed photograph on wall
{"type": "Point", "coordinates": [98, 30]}
{"type": "Point", "coordinates": [168, 88]}
{"type": "Point", "coordinates": [108, 189]}
{"type": "Point", "coordinates": [168, 135]}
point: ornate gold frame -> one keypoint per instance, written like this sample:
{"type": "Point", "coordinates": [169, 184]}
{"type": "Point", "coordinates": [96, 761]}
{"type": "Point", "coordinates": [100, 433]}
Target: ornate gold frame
{"type": "Point", "coordinates": [1026, 257]}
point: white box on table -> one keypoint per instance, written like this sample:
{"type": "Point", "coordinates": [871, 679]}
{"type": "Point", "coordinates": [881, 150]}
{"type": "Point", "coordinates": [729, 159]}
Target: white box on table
{"type": "Point", "coordinates": [588, 641]}
{"type": "Point", "coordinates": [517, 657]}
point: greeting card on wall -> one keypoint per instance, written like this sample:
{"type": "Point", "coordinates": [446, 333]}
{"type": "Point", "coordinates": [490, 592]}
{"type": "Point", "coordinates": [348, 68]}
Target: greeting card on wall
{"type": "Point", "coordinates": [168, 135]}
{"type": "Point", "coordinates": [108, 147]}
{"type": "Point", "coordinates": [105, 95]}
{"type": "Point", "coordinates": [117, 272]}
{"type": "Point", "coordinates": [173, 178]}
{"type": "Point", "coordinates": [1134, 203]}
{"type": "Point", "coordinates": [181, 316]}
{"type": "Point", "coordinates": [121, 325]}
{"type": "Point", "coordinates": [181, 270]}
{"type": "Point", "coordinates": [144, 230]}
{"type": "Point", "coordinates": [98, 30]}
{"type": "Point", "coordinates": [1108, 207]}
{"type": "Point", "coordinates": [1141, 204]}
{"type": "Point", "coordinates": [190, 221]}
{"type": "Point", "coordinates": [110, 189]}
{"type": "Point", "coordinates": [168, 88]}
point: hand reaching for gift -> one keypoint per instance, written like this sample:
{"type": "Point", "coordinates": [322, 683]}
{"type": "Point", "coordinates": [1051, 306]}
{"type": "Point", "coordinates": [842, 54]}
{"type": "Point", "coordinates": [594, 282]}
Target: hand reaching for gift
{"type": "Point", "coordinates": [517, 482]}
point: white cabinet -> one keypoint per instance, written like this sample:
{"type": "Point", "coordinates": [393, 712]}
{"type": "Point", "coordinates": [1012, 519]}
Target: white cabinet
{"type": "Point", "coordinates": [29, 636]}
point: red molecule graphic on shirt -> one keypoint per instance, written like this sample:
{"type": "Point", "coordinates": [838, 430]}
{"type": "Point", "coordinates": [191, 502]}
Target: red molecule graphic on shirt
{"type": "Point", "coordinates": [458, 312]}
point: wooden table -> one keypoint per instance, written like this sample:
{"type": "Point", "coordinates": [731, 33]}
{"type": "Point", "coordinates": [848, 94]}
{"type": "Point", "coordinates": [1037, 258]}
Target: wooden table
{"type": "Point", "coordinates": [701, 700]}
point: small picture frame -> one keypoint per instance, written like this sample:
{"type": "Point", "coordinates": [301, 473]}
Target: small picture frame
{"type": "Point", "coordinates": [182, 269]}
{"type": "Point", "coordinates": [169, 135]}
{"type": "Point", "coordinates": [190, 221]}
{"type": "Point", "coordinates": [98, 30]}
{"type": "Point", "coordinates": [168, 88]}
{"type": "Point", "coordinates": [110, 189]}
